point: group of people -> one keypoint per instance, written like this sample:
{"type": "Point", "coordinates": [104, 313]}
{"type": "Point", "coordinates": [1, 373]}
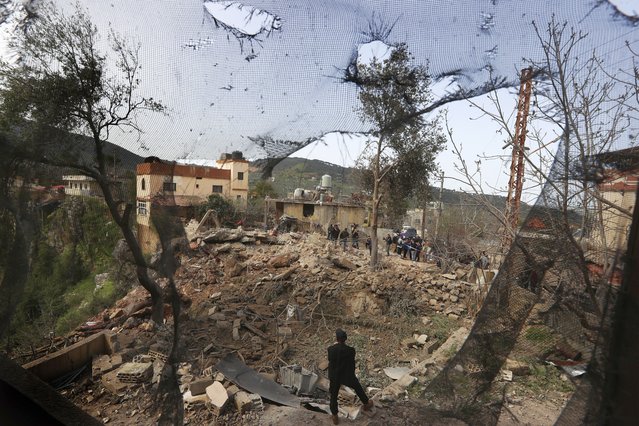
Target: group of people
{"type": "Point", "coordinates": [342, 236]}
{"type": "Point", "coordinates": [412, 248]}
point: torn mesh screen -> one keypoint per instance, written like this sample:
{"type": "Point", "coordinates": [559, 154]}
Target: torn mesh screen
{"type": "Point", "coordinates": [269, 77]}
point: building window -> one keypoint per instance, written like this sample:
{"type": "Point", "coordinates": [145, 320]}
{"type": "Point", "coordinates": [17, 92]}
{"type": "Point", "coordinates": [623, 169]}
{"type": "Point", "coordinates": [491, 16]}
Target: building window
{"type": "Point", "coordinates": [240, 175]}
{"type": "Point", "coordinates": [217, 189]}
{"type": "Point", "coordinates": [169, 186]}
{"type": "Point", "coordinates": [308, 210]}
{"type": "Point", "coordinates": [142, 208]}
{"type": "Point", "coordinates": [143, 184]}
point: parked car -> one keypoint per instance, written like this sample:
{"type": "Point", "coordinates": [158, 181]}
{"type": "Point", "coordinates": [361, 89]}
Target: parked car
{"type": "Point", "coordinates": [408, 232]}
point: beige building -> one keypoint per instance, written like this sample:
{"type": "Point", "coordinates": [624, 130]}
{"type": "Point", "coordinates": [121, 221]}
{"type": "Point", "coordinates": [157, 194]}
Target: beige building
{"type": "Point", "coordinates": [179, 188]}
{"type": "Point", "coordinates": [81, 185]}
{"type": "Point", "coordinates": [619, 187]}
{"type": "Point", "coordinates": [322, 214]}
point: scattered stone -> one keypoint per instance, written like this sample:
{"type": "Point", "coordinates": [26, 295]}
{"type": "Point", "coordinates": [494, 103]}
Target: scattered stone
{"type": "Point", "coordinates": [323, 365]}
{"type": "Point", "coordinates": [343, 263]}
{"type": "Point", "coordinates": [409, 342]}
{"type": "Point", "coordinates": [283, 260]}
{"type": "Point", "coordinates": [215, 295]}
{"type": "Point", "coordinates": [421, 339]}
{"type": "Point", "coordinates": [518, 368]}
{"type": "Point", "coordinates": [285, 331]}
{"type": "Point", "coordinates": [506, 375]}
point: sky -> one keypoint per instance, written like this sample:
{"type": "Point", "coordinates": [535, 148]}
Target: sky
{"type": "Point", "coordinates": [232, 73]}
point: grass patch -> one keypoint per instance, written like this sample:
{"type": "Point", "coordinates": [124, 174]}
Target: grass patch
{"type": "Point", "coordinates": [545, 378]}
{"type": "Point", "coordinates": [442, 327]}
{"type": "Point", "coordinates": [539, 334]}
{"type": "Point", "coordinates": [84, 301]}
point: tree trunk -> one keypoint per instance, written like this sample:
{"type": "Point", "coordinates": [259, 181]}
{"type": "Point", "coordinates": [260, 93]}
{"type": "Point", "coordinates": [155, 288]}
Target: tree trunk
{"type": "Point", "coordinates": [15, 275]}
{"type": "Point", "coordinates": [157, 301]}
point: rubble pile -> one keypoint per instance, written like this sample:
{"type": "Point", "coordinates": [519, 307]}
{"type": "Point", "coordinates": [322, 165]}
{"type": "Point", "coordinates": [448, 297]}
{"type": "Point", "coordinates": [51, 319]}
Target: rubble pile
{"type": "Point", "coordinates": [274, 302]}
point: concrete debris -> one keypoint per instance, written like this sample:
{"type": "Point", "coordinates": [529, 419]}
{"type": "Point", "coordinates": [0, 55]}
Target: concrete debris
{"type": "Point", "coordinates": [217, 396]}
{"type": "Point", "coordinates": [420, 339]}
{"type": "Point", "coordinates": [343, 263]}
{"type": "Point", "coordinates": [396, 373]}
{"type": "Point", "coordinates": [300, 379]}
{"type": "Point", "coordinates": [283, 260]}
{"type": "Point", "coordinates": [254, 304]}
{"type": "Point", "coordinates": [188, 397]}
{"type": "Point", "coordinates": [198, 387]}
{"type": "Point", "coordinates": [245, 402]}
{"type": "Point", "coordinates": [134, 372]}
{"type": "Point", "coordinates": [506, 375]}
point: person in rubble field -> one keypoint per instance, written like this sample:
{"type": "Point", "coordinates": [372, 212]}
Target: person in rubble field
{"type": "Point", "coordinates": [341, 371]}
{"type": "Point", "coordinates": [388, 240]}
{"type": "Point", "coordinates": [343, 237]}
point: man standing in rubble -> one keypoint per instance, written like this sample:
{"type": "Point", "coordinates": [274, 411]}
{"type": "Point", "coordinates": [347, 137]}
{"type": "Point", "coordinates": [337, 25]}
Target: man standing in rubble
{"type": "Point", "coordinates": [341, 371]}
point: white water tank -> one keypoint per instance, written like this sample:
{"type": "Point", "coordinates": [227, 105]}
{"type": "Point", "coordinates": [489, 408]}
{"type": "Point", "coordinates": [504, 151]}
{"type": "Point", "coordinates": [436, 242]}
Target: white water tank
{"type": "Point", "coordinates": [327, 181]}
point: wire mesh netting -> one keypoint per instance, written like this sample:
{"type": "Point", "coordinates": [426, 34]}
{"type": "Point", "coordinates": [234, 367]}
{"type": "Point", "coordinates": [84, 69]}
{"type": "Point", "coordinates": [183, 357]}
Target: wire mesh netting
{"type": "Point", "coordinates": [264, 79]}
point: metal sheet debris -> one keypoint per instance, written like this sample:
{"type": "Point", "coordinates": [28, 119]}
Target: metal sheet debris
{"type": "Point", "coordinates": [247, 378]}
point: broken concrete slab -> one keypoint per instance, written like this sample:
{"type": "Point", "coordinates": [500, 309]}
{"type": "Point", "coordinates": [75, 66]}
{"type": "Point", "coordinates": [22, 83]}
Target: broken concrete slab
{"type": "Point", "coordinates": [218, 396]}
{"type": "Point", "coordinates": [396, 373]}
{"type": "Point", "coordinates": [450, 346]}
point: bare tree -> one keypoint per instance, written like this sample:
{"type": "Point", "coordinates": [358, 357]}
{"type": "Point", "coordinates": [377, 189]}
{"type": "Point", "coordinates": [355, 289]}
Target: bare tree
{"type": "Point", "coordinates": [591, 113]}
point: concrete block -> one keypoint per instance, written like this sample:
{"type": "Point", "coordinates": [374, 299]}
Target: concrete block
{"type": "Point", "coordinates": [245, 402]}
{"type": "Point", "coordinates": [217, 396]}
{"type": "Point", "coordinates": [193, 399]}
{"type": "Point", "coordinates": [134, 372]}
{"type": "Point", "coordinates": [198, 387]}
{"type": "Point", "coordinates": [232, 390]}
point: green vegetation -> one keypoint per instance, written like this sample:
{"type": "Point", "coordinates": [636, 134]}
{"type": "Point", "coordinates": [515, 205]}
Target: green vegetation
{"type": "Point", "coordinates": [227, 212]}
{"type": "Point", "coordinates": [545, 378]}
{"type": "Point", "coordinates": [442, 327]}
{"type": "Point", "coordinates": [539, 334]}
{"type": "Point", "coordinates": [76, 244]}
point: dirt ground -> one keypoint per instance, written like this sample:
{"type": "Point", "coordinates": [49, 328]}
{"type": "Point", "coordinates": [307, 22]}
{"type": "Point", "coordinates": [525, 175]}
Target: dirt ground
{"type": "Point", "coordinates": [277, 301]}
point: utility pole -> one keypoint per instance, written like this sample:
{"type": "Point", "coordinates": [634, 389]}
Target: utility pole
{"type": "Point", "coordinates": [439, 206]}
{"type": "Point", "coordinates": [516, 181]}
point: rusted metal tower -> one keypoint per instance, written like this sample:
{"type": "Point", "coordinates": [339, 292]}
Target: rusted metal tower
{"type": "Point", "coordinates": [516, 181]}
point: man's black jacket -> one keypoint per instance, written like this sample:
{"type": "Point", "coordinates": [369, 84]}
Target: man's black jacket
{"type": "Point", "coordinates": [341, 363]}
